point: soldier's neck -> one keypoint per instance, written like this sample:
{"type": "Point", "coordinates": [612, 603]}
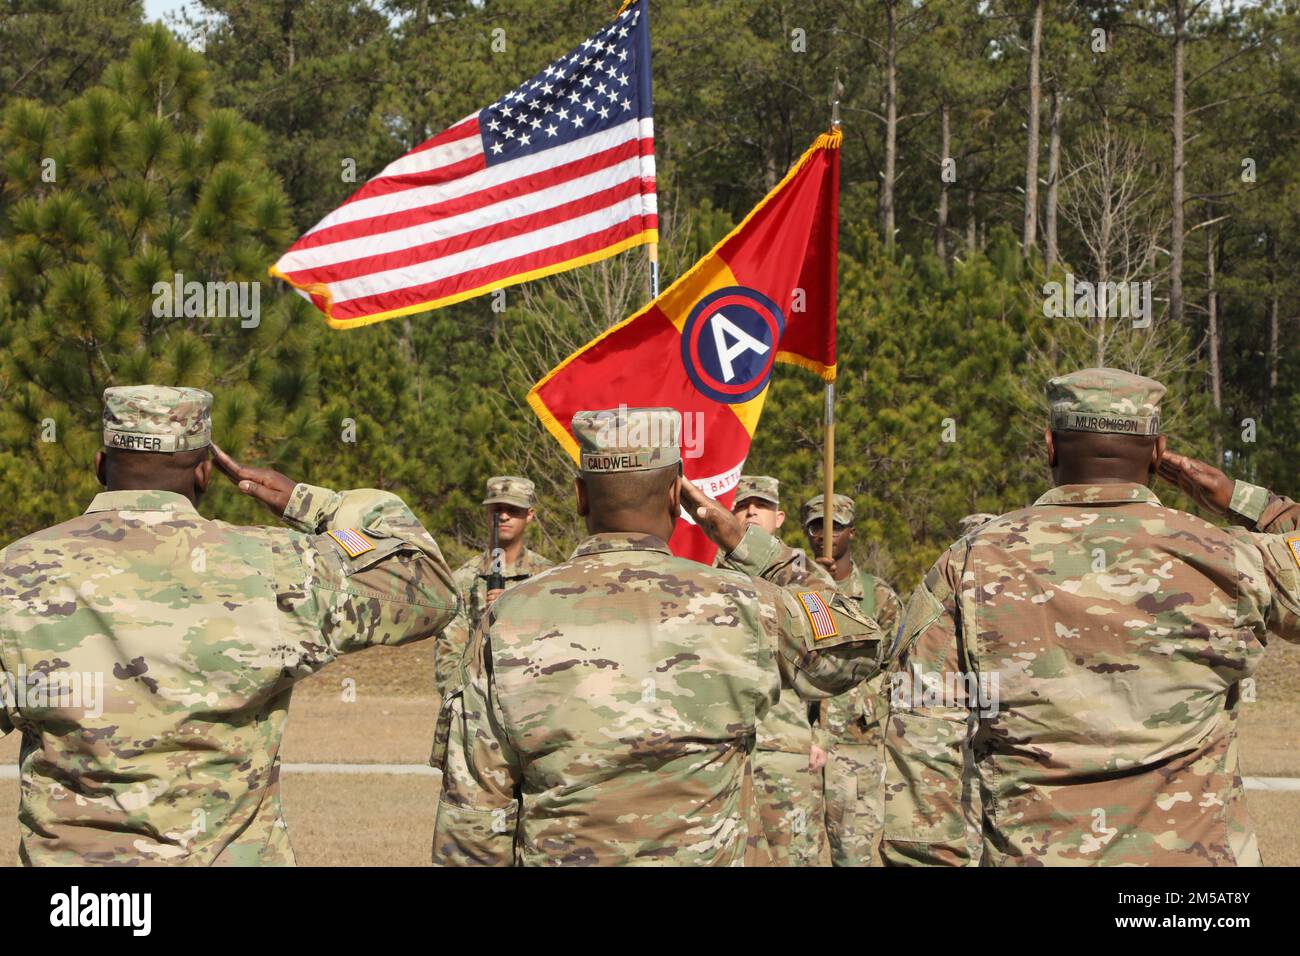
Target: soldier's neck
{"type": "Point", "coordinates": [1089, 476]}
{"type": "Point", "coordinates": [183, 491]}
{"type": "Point", "coordinates": [630, 524]}
{"type": "Point", "coordinates": [514, 550]}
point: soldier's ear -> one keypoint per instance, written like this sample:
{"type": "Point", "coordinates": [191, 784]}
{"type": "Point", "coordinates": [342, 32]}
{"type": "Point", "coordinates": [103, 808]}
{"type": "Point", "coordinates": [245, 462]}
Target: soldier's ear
{"type": "Point", "coordinates": [584, 506]}
{"type": "Point", "coordinates": [1159, 451]}
{"type": "Point", "coordinates": [1051, 447]}
{"type": "Point", "coordinates": [101, 472]}
{"type": "Point", "coordinates": [780, 517]}
{"type": "Point", "coordinates": [202, 475]}
{"type": "Point", "coordinates": [675, 497]}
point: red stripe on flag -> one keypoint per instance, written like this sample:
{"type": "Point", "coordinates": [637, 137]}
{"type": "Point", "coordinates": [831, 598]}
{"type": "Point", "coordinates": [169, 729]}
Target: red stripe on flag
{"type": "Point", "coordinates": [494, 232]}
{"type": "Point", "coordinates": [387, 185]}
{"type": "Point", "coordinates": [429, 212]}
{"type": "Point", "coordinates": [476, 278]}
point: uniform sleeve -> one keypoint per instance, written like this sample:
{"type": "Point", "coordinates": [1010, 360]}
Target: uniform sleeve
{"type": "Point", "coordinates": [379, 579]}
{"type": "Point", "coordinates": [889, 610]}
{"type": "Point", "coordinates": [478, 809]}
{"type": "Point", "coordinates": [760, 555]}
{"type": "Point", "coordinates": [822, 736]}
{"type": "Point", "coordinates": [825, 646]}
{"type": "Point", "coordinates": [449, 646]}
{"type": "Point", "coordinates": [6, 701]}
{"type": "Point", "coordinates": [1260, 510]}
{"type": "Point", "coordinates": [1269, 596]}
{"type": "Point", "coordinates": [925, 816]}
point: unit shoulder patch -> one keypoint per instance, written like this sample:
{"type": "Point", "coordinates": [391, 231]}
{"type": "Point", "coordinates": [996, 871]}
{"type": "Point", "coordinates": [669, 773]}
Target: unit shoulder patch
{"type": "Point", "coordinates": [1293, 545]}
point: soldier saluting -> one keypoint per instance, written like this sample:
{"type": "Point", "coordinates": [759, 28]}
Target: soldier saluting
{"type": "Point", "coordinates": [852, 725]}
{"type": "Point", "coordinates": [1090, 649]}
{"type": "Point", "coordinates": [608, 710]}
{"type": "Point", "coordinates": [198, 630]}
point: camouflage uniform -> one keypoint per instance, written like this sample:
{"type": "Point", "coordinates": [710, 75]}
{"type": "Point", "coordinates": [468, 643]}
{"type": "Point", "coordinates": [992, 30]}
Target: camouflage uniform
{"type": "Point", "coordinates": [969, 523]}
{"type": "Point", "coordinates": [610, 704]}
{"type": "Point", "coordinates": [471, 583]}
{"type": "Point", "coordinates": [198, 631]}
{"type": "Point", "coordinates": [1118, 631]}
{"type": "Point", "coordinates": [854, 733]}
{"type": "Point", "coordinates": [790, 796]}
{"type": "Point", "coordinates": [850, 726]}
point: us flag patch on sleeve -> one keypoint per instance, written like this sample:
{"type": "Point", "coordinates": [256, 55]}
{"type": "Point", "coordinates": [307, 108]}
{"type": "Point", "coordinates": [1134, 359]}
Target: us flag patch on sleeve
{"type": "Point", "coordinates": [352, 541]}
{"type": "Point", "coordinates": [1293, 545]}
{"type": "Point", "coordinates": [819, 615]}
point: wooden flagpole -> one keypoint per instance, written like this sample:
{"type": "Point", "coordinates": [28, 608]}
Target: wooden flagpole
{"type": "Point", "coordinates": [828, 440]}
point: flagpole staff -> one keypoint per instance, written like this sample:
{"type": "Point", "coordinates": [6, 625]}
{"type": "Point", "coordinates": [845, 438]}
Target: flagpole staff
{"type": "Point", "coordinates": [652, 249]}
{"type": "Point", "coordinates": [828, 441]}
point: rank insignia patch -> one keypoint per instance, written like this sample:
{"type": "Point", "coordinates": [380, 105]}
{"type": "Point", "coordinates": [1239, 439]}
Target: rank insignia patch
{"type": "Point", "coordinates": [819, 615]}
{"type": "Point", "coordinates": [352, 541]}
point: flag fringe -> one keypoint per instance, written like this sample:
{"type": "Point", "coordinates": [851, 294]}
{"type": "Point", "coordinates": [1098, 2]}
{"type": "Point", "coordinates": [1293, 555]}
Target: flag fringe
{"type": "Point", "coordinates": [825, 372]}
{"type": "Point", "coordinates": [552, 425]}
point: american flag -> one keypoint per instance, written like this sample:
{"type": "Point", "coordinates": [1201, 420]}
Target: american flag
{"type": "Point", "coordinates": [557, 173]}
{"type": "Point", "coordinates": [819, 615]}
{"type": "Point", "coordinates": [352, 541]}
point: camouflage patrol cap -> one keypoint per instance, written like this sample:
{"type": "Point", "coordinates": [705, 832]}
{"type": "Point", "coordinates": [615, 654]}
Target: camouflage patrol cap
{"type": "Point", "coordinates": [157, 418]}
{"type": "Point", "coordinates": [510, 490]}
{"type": "Point", "coordinates": [627, 439]}
{"type": "Point", "coordinates": [842, 509]}
{"type": "Point", "coordinates": [1105, 400]}
{"type": "Point", "coordinates": [969, 523]}
{"type": "Point", "coordinates": [763, 487]}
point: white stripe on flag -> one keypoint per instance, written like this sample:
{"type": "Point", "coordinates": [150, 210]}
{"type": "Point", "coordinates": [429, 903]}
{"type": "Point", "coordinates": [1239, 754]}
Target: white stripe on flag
{"type": "Point", "coordinates": [435, 157]}
{"type": "Point", "coordinates": [404, 199]}
{"type": "Point", "coordinates": [422, 273]}
{"type": "Point", "coordinates": [513, 208]}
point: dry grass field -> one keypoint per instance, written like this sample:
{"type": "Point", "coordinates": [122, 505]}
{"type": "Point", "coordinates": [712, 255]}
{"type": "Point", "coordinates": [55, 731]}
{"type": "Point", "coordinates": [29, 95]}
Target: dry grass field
{"type": "Point", "coordinates": [338, 819]}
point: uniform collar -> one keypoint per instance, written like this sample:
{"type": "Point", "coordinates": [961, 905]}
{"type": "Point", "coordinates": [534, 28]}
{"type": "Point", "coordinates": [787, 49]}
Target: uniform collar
{"type": "Point", "coordinates": [598, 543]}
{"type": "Point", "coordinates": [142, 501]}
{"type": "Point", "coordinates": [1098, 495]}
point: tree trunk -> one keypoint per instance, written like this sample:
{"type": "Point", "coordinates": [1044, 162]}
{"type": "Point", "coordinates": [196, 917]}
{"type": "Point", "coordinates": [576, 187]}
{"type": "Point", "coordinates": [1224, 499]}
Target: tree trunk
{"type": "Point", "coordinates": [1212, 310]}
{"type": "Point", "coordinates": [1176, 226]}
{"type": "Point", "coordinates": [1031, 146]}
{"type": "Point", "coordinates": [891, 127]}
{"type": "Point", "coordinates": [1274, 318]}
{"type": "Point", "coordinates": [1053, 178]}
{"type": "Point", "coordinates": [970, 222]}
{"type": "Point", "coordinates": [945, 144]}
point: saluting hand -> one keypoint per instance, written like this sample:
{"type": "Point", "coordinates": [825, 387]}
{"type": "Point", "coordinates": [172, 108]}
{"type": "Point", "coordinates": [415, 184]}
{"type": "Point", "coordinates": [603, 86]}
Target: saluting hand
{"type": "Point", "coordinates": [265, 484]}
{"type": "Point", "coordinates": [722, 527]}
{"type": "Point", "coordinates": [1207, 486]}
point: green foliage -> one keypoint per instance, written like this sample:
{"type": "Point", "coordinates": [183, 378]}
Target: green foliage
{"type": "Point", "coordinates": [148, 182]}
{"type": "Point", "coordinates": [209, 157]}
